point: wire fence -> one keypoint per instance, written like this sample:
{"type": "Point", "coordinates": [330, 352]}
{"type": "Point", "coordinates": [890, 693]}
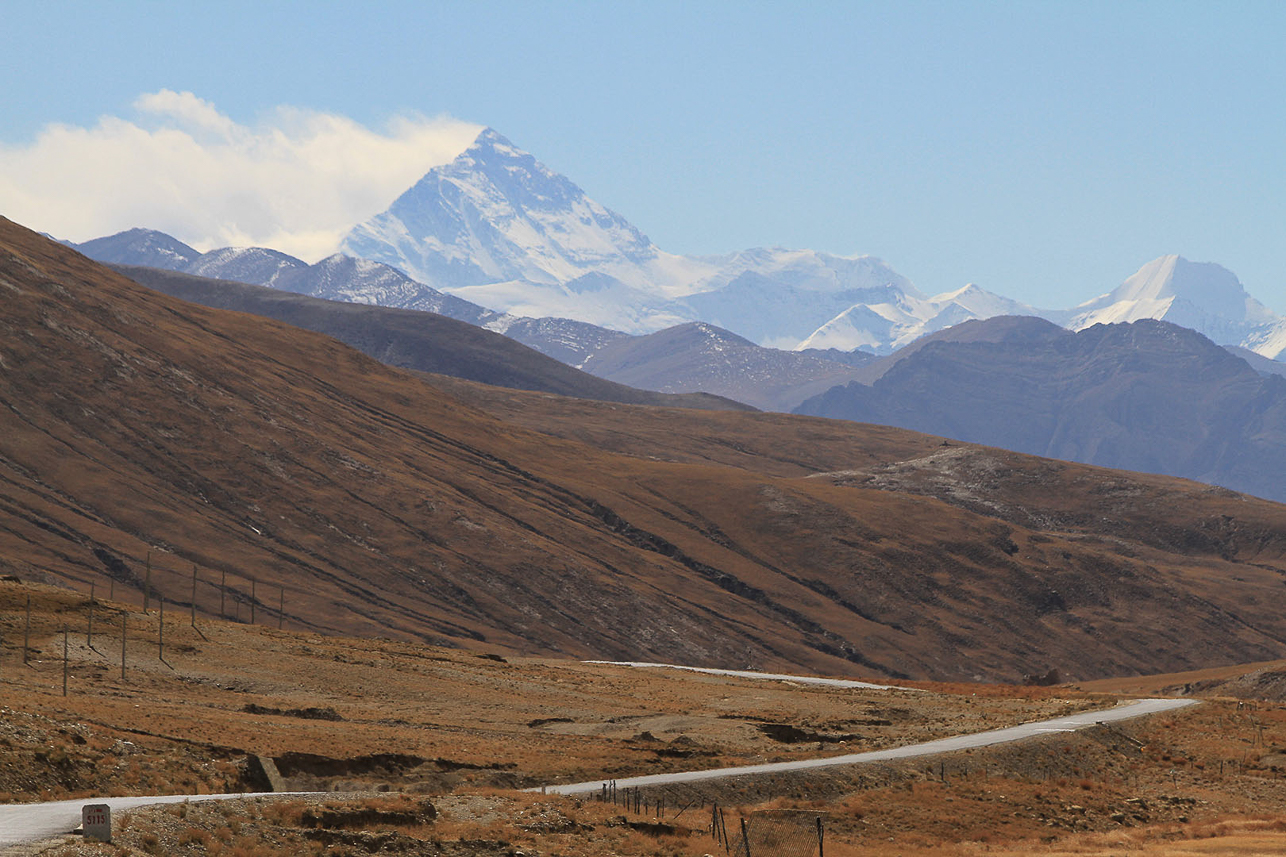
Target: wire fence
{"type": "Point", "coordinates": [771, 833]}
{"type": "Point", "coordinates": [766, 833]}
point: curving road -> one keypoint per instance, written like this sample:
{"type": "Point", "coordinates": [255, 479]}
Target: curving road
{"type": "Point", "coordinates": [22, 823]}
{"type": "Point", "coordinates": [29, 822]}
{"type": "Point", "coordinates": [1068, 723]}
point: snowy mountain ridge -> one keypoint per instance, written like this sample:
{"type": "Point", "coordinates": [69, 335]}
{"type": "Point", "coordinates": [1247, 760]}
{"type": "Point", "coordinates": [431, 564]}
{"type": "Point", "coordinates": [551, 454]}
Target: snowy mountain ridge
{"type": "Point", "coordinates": [498, 228]}
{"type": "Point", "coordinates": [495, 214]}
{"type": "Point", "coordinates": [495, 237]}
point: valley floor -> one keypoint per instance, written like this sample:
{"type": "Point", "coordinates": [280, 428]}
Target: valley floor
{"type": "Point", "coordinates": [440, 740]}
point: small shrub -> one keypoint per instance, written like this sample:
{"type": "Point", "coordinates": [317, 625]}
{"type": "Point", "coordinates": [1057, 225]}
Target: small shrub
{"type": "Point", "coordinates": [196, 836]}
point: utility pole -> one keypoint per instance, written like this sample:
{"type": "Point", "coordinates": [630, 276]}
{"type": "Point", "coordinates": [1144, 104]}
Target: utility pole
{"type": "Point", "coordinates": [26, 633]}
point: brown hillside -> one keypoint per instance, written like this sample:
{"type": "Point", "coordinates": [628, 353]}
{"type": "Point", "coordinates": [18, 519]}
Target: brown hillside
{"type": "Point", "coordinates": [134, 422]}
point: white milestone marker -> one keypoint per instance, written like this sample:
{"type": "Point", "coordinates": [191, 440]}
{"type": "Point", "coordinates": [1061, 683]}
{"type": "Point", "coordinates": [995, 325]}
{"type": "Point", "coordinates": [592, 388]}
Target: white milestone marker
{"type": "Point", "coordinates": [96, 822]}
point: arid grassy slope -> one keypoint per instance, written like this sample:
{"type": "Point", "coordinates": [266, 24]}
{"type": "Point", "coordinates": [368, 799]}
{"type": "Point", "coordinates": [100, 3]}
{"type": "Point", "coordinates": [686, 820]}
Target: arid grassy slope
{"type": "Point", "coordinates": [451, 733]}
{"type": "Point", "coordinates": [373, 502]}
{"type": "Point", "coordinates": [341, 712]}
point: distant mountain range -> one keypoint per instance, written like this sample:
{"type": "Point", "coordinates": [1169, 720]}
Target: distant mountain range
{"type": "Point", "coordinates": [690, 358]}
{"type": "Point", "coordinates": [336, 277]}
{"type": "Point", "coordinates": [1147, 396]}
{"type": "Point", "coordinates": [513, 239]}
{"type": "Point", "coordinates": [414, 339]}
{"type": "Point", "coordinates": [144, 433]}
{"type": "Point", "coordinates": [499, 228]}
{"type": "Point", "coordinates": [498, 240]}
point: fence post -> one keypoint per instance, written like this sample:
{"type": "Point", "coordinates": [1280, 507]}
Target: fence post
{"type": "Point", "coordinates": [194, 595]}
{"type": "Point", "coordinates": [26, 633]}
{"type": "Point", "coordinates": [745, 836]}
{"type": "Point", "coordinates": [123, 617]}
{"type": "Point", "coordinates": [252, 601]}
{"type": "Point", "coordinates": [223, 591]}
{"type": "Point", "coordinates": [160, 632]}
{"type": "Point", "coordinates": [65, 660]}
{"type": "Point", "coordinates": [281, 607]}
{"type": "Point", "coordinates": [89, 636]}
{"type": "Point", "coordinates": [147, 584]}
{"type": "Point", "coordinates": [821, 836]}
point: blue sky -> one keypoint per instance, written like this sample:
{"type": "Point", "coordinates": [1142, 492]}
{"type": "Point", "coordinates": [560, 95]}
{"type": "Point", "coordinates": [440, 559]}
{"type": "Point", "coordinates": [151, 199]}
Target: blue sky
{"type": "Point", "coordinates": [1043, 150]}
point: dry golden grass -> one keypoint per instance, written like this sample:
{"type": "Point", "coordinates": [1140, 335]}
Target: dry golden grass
{"type": "Point", "coordinates": [442, 717]}
{"type": "Point", "coordinates": [385, 506]}
{"type": "Point", "coordinates": [1204, 780]}
{"type": "Point", "coordinates": [470, 825]}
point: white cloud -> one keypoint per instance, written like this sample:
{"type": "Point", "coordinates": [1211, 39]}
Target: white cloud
{"type": "Point", "coordinates": [295, 181]}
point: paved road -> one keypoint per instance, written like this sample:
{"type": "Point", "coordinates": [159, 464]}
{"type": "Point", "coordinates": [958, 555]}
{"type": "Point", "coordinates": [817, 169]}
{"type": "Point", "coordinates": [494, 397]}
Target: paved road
{"type": "Point", "coordinates": [29, 822]}
{"type": "Point", "coordinates": [21, 823]}
{"type": "Point", "coordinates": [1069, 723]}
{"type": "Point", "coordinates": [796, 679]}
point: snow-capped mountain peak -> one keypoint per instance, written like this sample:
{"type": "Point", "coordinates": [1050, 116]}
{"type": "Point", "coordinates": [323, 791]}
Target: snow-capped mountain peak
{"type": "Point", "coordinates": [245, 265]}
{"type": "Point", "coordinates": [905, 315]}
{"type": "Point", "coordinates": [1202, 296]}
{"type": "Point", "coordinates": [496, 214]}
{"type": "Point", "coordinates": [495, 236]}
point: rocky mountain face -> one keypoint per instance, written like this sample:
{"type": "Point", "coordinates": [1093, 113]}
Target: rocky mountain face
{"type": "Point", "coordinates": [384, 505]}
{"type": "Point", "coordinates": [1148, 396]}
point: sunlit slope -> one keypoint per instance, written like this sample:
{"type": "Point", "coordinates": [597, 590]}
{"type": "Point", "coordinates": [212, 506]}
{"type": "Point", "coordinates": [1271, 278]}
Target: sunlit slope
{"type": "Point", "coordinates": [134, 422]}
